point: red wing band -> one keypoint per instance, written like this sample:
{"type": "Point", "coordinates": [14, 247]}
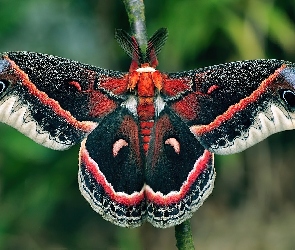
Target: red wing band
{"type": "Point", "coordinates": [252, 119]}
{"type": "Point", "coordinates": [34, 114]}
{"type": "Point", "coordinates": [177, 206]}
{"type": "Point", "coordinates": [125, 210]}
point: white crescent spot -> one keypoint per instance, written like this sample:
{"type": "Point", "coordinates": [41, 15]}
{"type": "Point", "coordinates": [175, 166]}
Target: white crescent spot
{"type": "Point", "coordinates": [173, 143]}
{"type": "Point", "coordinates": [118, 145]}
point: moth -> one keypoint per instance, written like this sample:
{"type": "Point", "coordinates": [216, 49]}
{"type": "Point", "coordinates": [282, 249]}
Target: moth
{"type": "Point", "coordinates": [147, 137]}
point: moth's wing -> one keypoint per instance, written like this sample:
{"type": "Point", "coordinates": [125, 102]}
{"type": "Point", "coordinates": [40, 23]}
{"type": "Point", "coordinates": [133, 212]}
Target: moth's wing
{"type": "Point", "coordinates": [232, 106]}
{"type": "Point", "coordinates": [55, 101]}
{"type": "Point", "coordinates": [111, 173]}
{"type": "Point", "coordinates": [179, 172]}
{"type": "Point", "coordinates": [59, 102]}
{"type": "Point", "coordinates": [221, 109]}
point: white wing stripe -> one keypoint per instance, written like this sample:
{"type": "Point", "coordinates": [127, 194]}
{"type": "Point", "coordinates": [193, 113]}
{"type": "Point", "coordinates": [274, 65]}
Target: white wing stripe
{"type": "Point", "coordinates": [16, 119]}
{"type": "Point", "coordinates": [263, 127]}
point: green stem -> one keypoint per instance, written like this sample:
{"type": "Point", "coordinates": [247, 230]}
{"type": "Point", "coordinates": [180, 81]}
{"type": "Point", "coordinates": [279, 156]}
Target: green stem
{"type": "Point", "coordinates": [135, 12]}
{"type": "Point", "coordinates": [183, 235]}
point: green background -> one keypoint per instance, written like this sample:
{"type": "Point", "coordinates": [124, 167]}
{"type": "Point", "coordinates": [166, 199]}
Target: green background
{"type": "Point", "coordinates": [253, 203]}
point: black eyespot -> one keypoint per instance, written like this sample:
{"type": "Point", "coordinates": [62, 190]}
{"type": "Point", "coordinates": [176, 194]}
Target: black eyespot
{"type": "Point", "coordinates": [3, 85]}
{"type": "Point", "coordinates": [289, 97]}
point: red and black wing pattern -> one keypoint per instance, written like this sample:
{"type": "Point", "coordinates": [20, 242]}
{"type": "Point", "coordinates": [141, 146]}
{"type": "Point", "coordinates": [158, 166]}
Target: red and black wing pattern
{"type": "Point", "coordinates": [235, 104]}
{"type": "Point", "coordinates": [220, 109]}
{"type": "Point", "coordinates": [53, 100]}
{"type": "Point", "coordinates": [111, 174]}
{"type": "Point", "coordinates": [58, 103]}
{"type": "Point", "coordinates": [179, 172]}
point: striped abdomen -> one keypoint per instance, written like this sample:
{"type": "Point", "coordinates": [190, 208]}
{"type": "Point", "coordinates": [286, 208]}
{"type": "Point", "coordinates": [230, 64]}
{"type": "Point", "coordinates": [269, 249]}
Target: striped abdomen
{"type": "Point", "coordinates": [145, 107]}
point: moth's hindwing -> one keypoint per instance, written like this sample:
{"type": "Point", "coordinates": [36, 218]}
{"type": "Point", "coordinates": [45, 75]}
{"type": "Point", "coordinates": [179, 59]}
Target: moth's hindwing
{"type": "Point", "coordinates": [241, 103]}
{"type": "Point", "coordinates": [111, 174]}
{"type": "Point", "coordinates": [50, 99]}
{"type": "Point", "coordinates": [179, 172]}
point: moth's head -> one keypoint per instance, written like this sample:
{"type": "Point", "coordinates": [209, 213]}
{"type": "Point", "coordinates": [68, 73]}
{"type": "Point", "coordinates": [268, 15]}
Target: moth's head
{"type": "Point", "coordinates": [142, 57]}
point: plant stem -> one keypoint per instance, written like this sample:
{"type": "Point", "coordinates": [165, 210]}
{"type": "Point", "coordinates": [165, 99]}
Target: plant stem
{"type": "Point", "coordinates": [135, 12]}
{"type": "Point", "coordinates": [183, 235]}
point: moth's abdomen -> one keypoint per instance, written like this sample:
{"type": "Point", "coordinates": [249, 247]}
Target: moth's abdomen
{"type": "Point", "coordinates": [146, 113]}
{"type": "Point", "coordinates": [145, 107]}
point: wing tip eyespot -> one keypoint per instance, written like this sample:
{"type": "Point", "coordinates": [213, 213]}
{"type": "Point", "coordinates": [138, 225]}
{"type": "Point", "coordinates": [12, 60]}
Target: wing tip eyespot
{"type": "Point", "coordinates": [3, 85]}
{"type": "Point", "coordinates": [289, 97]}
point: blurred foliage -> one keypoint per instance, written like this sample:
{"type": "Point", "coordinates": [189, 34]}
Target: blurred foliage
{"type": "Point", "coordinates": [253, 203]}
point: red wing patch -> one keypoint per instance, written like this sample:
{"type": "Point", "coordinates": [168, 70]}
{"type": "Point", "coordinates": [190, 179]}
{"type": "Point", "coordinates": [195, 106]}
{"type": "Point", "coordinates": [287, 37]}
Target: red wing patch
{"type": "Point", "coordinates": [114, 86]}
{"type": "Point", "coordinates": [100, 104]}
{"type": "Point", "coordinates": [175, 87]}
{"type": "Point", "coordinates": [187, 108]}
